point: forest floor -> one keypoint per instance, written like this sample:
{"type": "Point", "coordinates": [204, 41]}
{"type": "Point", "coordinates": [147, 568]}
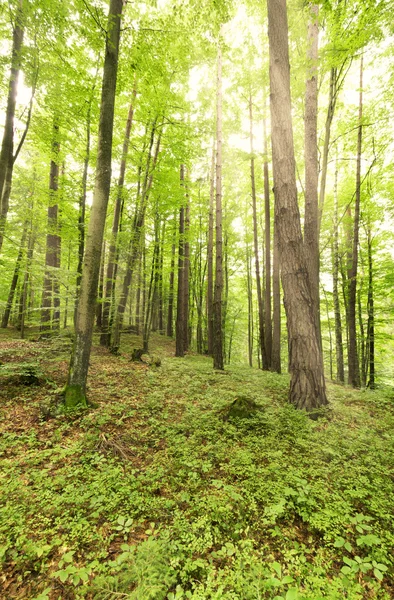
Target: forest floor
{"type": "Point", "coordinates": [154, 494]}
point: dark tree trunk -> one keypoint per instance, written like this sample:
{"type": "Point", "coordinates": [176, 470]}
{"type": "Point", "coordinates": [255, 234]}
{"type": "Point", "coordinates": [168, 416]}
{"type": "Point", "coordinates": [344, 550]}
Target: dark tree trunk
{"type": "Point", "coordinates": [99, 305]}
{"type": "Point", "coordinates": [217, 299]}
{"type": "Point", "coordinates": [250, 305]}
{"type": "Point", "coordinates": [307, 386]}
{"type": "Point", "coordinates": [7, 146]}
{"type": "Point", "coordinates": [335, 291]}
{"type": "Point", "coordinates": [111, 266]}
{"type": "Point", "coordinates": [353, 361]}
{"type": "Point", "coordinates": [79, 365]}
{"type": "Point", "coordinates": [52, 256]}
{"type": "Point", "coordinates": [186, 273]}
{"type": "Point", "coordinates": [138, 297]}
{"type": "Point", "coordinates": [153, 285]}
{"type": "Point", "coordinates": [160, 282]}
{"type": "Point", "coordinates": [14, 282]}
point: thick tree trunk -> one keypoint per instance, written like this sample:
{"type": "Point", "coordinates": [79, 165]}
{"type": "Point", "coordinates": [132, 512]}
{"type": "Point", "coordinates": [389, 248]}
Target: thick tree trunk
{"type": "Point", "coordinates": [267, 275]}
{"type": "Point", "coordinates": [353, 361]}
{"type": "Point", "coordinates": [52, 256]}
{"type": "Point", "coordinates": [311, 222]}
{"type": "Point", "coordinates": [14, 282]}
{"type": "Point", "coordinates": [111, 266]}
{"type": "Point", "coordinates": [256, 244]}
{"type": "Point", "coordinates": [210, 256]}
{"type": "Point", "coordinates": [217, 299]}
{"type": "Point", "coordinates": [307, 386]}
{"type": "Point", "coordinates": [335, 291]}
{"type": "Point", "coordinates": [79, 365]}
{"type": "Point", "coordinates": [7, 146]}
{"type": "Point", "coordinates": [170, 314]}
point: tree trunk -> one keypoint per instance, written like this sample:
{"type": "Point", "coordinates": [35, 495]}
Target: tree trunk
{"type": "Point", "coordinates": [307, 386]}
{"type": "Point", "coordinates": [99, 304]}
{"type": "Point", "coordinates": [7, 146]}
{"type": "Point", "coordinates": [217, 299]}
{"type": "Point", "coordinates": [135, 242]}
{"type": "Point", "coordinates": [170, 317]}
{"type": "Point", "coordinates": [210, 256]}
{"type": "Point", "coordinates": [160, 291]}
{"type": "Point", "coordinates": [267, 224]}
{"type": "Point", "coordinates": [14, 282]}
{"type": "Point", "coordinates": [276, 333]}
{"type": "Point", "coordinates": [186, 273]}
{"type": "Point", "coordinates": [256, 244]}
{"type": "Point", "coordinates": [52, 256]}
{"type": "Point", "coordinates": [371, 316]}
{"type": "Point", "coordinates": [354, 367]}
{"type": "Point", "coordinates": [153, 284]}
{"type": "Point", "coordinates": [110, 276]}
{"type": "Point", "coordinates": [79, 365]}
{"type": "Point", "coordinates": [250, 305]}
{"type": "Point", "coordinates": [181, 329]}
{"type": "Point", "coordinates": [311, 222]}
{"type": "Point", "coordinates": [25, 285]}
{"type": "Point", "coordinates": [335, 292]}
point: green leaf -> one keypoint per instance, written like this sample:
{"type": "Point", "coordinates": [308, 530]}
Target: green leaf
{"type": "Point", "coordinates": [339, 542]}
{"type": "Point", "coordinates": [348, 547]}
{"type": "Point", "coordinates": [277, 568]}
{"type": "Point", "coordinates": [292, 594]}
{"type": "Point", "coordinates": [346, 570]}
{"type": "Point", "coordinates": [378, 574]}
{"type": "Point", "coordinates": [287, 579]}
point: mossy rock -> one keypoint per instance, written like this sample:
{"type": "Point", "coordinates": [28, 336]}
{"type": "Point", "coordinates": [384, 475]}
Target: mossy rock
{"type": "Point", "coordinates": [241, 408]}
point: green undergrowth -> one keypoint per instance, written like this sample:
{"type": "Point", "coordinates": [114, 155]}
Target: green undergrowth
{"type": "Point", "coordinates": [156, 495]}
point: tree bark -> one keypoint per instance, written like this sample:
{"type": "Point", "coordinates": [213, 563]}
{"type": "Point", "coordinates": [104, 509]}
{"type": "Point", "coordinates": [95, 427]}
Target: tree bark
{"type": "Point", "coordinates": [110, 275]}
{"type": "Point", "coordinates": [14, 282]}
{"type": "Point", "coordinates": [52, 256]}
{"type": "Point", "coordinates": [311, 222]}
{"type": "Point", "coordinates": [335, 292]}
{"type": "Point", "coordinates": [186, 272]}
{"type": "Point", "coordinates": [7, 146]}
{"type": "Point", "coordinates": [250, 305]}
{"type": "Point", "coordinates": [180, 328]}
{"type": "Point", "coordinates": [170, 314]}
{"type": "Point", "coordinates": [276, 333]}
{"type": "Point", "coordinates": [79, 365]}
{"type": "Point", "coordinates": [217, 299]}
{"type": "Point", "coordinates": [256, 244]}
{"type": "Point", "coordinates": [267, 275]}
{"type": "Point", "coordinates": [353, 361]}
{"type": "Point", "coordinates": [307, 386]}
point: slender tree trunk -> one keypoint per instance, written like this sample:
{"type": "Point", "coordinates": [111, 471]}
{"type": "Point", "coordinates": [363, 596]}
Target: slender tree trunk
{"type": "Point", "coordinates": [210, 256]}
{"type": "Point", "coordinates": [82, 208]}
{"type": "Point", "coordinates": [329, 334]}
{"type": "Point", "coordinates": [67, 289]}
{"type": "Point", "coordinates": [138, 297]}
{"type": "Point", "coordinates": [217, 299]}
{"type": "Point", "coordinates": [267, 223]}
{"type": "Point", "coordinates": [181, 330]}
{"type": "Point", "coordinates": [307, 386]}
{"type": "Point", "coordinates": [25, 286]}
{"type": "Point", "coordinates": [7, 146]}
{"type": "Point", "coordinates": [135, 242]}
{"type": "Point", "coordinates": [354, 367]}
{"type": "Point", "coordinates": [153, 284]}
{"type": "Point", "coordinates": [276, 333]}
{"type": "Point", "coordinates": [76, 386]}
{"type": "Point", "coordinates": [256, 244]}
{"type": "Point", "coordinates": [250, 305]}
{"type": "Point", "coordinates": [14, 282]}
{"type": "Point", "coordinates": [186, 273]}
{"type": "Point", "coordinates": [52, 258]}
{"type": "Point", "coordinates": [335, 292]}
{"type": "Point", "coordinates": [362, 340]}
{"type": "Point", "coordinates": [110, 276]}
{"type": "Point", "coordinates": [371, 315]}
{"type": "Point", "coordinates": [160, 281]}
{"type": "Point", "coordinates": [170, 317]}
{"type": "Point", "coordinates": [99, 304]}
{"type": "Point", "coordinates": [311, 223]}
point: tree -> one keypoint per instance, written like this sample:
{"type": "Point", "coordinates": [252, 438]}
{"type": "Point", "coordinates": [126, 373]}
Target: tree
{"type": "Point", "coordinates": [75, 393]}
{"type": "Point", "coordinates": [307, 386]}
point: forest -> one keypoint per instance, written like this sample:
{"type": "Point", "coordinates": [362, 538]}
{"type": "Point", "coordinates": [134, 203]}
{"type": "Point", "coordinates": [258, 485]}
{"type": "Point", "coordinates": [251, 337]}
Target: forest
{"type": "Point", "coordinates": [196, 300]}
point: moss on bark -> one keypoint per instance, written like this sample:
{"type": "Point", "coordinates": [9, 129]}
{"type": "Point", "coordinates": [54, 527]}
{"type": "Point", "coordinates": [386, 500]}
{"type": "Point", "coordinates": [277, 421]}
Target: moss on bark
{"type": "Point", "coordinates": [74, 396]}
